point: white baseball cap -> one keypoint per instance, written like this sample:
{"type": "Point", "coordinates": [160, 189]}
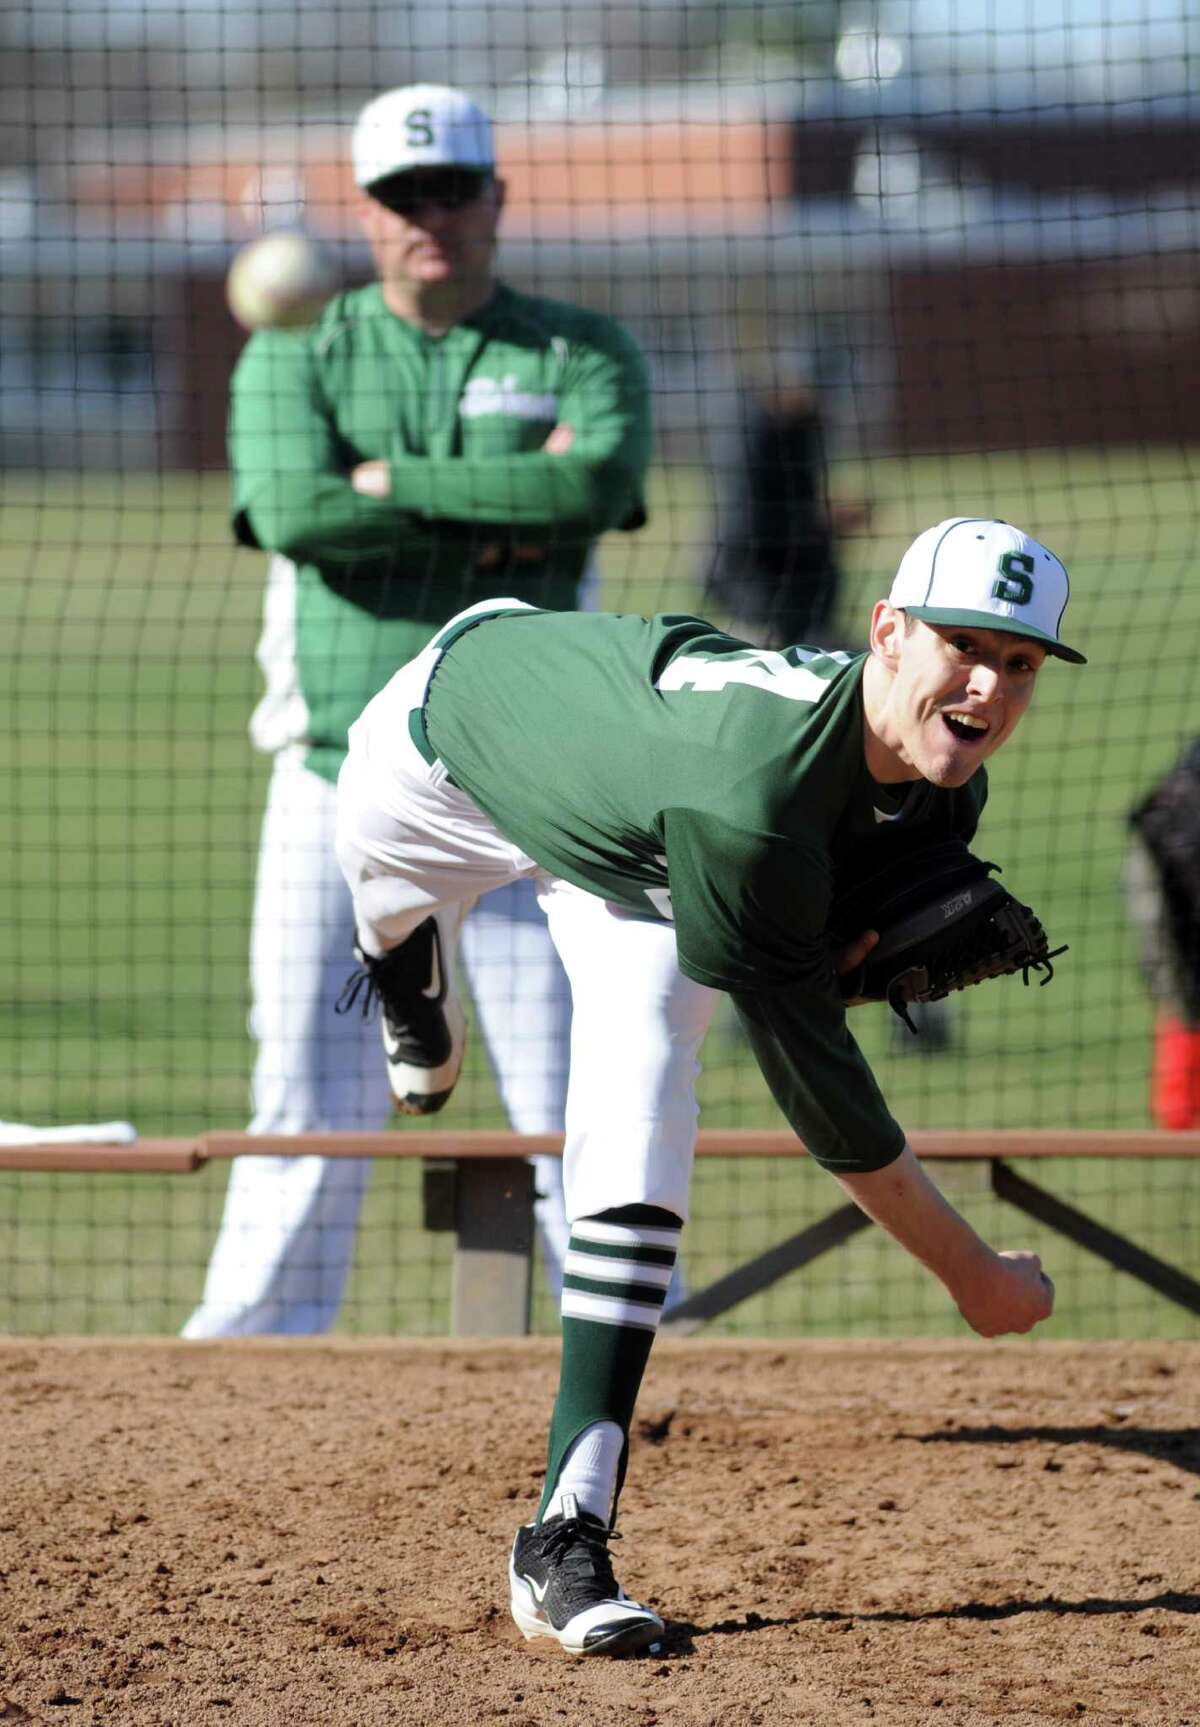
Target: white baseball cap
{"type": "Point", "coordinates": [988, 574]}
{"type": "Point", "coordinates": [420, 126]}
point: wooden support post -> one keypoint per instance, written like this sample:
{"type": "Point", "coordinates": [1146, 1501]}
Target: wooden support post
{"type": "Point", "coordinates": [439, 1190]}
{"type": "Point", "coordinates": [493, 1249]}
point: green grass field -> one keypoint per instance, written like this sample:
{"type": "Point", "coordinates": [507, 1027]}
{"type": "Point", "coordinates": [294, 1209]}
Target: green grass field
{"type": "Point", "coordinates": [131, 802]}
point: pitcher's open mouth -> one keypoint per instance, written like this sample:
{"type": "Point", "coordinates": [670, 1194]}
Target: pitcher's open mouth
{"type": "Point", "coordinates": [967, 728]}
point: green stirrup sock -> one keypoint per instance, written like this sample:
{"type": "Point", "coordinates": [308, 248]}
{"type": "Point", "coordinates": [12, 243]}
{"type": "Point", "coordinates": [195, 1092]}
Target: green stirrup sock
{"type": "Point", "coordinates": [615, 1280]}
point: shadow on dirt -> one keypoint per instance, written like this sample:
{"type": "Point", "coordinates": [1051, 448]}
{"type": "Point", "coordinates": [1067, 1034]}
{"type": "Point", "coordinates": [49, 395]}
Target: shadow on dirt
{"type": "Point", "coordinates": [680, 1635]}
{"type": "Point", "coordinates": [1177, 1445]}
{"type": "Point", "coordinates": [1168, 1600]}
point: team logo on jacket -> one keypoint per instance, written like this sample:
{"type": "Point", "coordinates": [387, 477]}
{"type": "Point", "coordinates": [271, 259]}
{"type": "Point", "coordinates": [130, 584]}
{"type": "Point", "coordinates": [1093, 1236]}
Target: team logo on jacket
{"type": "Point", "coordinates": [484, 397]}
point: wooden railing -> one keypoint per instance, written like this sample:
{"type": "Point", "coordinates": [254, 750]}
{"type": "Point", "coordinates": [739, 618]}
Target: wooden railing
{"type": "Point", "coordinates": [479, 1186]}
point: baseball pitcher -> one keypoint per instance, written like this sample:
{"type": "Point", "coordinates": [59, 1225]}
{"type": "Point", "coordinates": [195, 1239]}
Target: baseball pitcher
{"type": "Point", "coordinates": [685, 805]}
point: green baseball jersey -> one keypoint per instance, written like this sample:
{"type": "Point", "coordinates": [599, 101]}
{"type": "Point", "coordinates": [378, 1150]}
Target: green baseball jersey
{"type": "Point", "coordinates": [685, 776]}
{"type": "Point", "coordinates": [476, 508]}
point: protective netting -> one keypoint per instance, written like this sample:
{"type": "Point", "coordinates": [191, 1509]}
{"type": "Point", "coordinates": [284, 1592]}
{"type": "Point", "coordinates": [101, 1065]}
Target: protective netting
{"type": "Point", "coordinates": [886, 264]}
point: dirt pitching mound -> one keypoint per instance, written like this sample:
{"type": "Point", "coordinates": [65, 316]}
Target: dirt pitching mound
{"type": "Point", "coordinates": [312, 1532]}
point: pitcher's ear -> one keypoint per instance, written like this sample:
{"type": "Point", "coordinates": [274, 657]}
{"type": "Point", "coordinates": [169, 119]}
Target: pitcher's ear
{"type": "Point", "coordinates": [888, 629]}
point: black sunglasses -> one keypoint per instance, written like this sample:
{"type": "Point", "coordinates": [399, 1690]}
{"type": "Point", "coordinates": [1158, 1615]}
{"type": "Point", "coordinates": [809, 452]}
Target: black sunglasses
{"type": "Point", "coordinates": [448, 188]}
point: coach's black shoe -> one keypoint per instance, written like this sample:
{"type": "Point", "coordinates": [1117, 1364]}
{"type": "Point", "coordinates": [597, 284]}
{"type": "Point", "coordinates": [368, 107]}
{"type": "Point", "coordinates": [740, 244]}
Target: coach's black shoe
{"type": "Point", "coordinates": [424, 1028]}
{"type": "Point", "coordinates": [562, 1586]}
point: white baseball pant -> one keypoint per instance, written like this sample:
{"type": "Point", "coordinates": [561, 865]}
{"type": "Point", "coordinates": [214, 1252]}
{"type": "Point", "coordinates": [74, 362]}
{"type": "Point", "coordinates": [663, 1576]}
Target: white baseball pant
{"type": "Point", "coordinates": [411, 845]}
{"type": "Point", "coordinates": [286, 1241]}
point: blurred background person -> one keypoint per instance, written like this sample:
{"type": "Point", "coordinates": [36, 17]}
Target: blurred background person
{"type": "Point", "coordinates": [773, 574]}
{"type": "Point", "coordinates": [1162, 885]}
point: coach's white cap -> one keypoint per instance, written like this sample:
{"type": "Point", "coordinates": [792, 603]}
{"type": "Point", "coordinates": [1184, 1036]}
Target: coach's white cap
{"type": "Point", "coordinates": [988, 574]}
{"type": "Point", "coordinates": [420, 126]}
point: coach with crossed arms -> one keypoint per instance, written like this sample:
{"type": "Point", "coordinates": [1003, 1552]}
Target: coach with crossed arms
{"type": "Point", "coordinates": [435, 438]}
{"type": "Point", "coordinates": [686, 805]}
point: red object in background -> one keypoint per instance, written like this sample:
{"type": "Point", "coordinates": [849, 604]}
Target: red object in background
{"type": "Point", "coordinates": [1175, 1082]}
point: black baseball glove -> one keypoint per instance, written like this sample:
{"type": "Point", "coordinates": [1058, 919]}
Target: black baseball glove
{"type": "Point", "coordinates": [943, 923]}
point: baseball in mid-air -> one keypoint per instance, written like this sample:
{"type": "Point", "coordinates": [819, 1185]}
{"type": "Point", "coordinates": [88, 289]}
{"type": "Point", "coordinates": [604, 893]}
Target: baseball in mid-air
{"type": "Point", "coordinates": [279, 281]}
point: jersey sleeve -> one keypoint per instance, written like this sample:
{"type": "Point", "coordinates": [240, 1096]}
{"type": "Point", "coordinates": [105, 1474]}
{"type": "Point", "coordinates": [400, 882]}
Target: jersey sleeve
{"type": "Point", "coordinates": [750, 913]}
{"type": "Point", "coordinates": [598, 484]}
{"type": "Point", "coordinates": [291, 477]}
{"type": "Point", "coordinates": [819, 1077]}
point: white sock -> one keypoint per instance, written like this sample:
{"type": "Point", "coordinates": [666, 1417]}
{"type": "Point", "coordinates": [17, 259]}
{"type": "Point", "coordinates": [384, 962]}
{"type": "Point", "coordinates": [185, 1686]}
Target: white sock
{"type": "Point", "coordinates": [590, 1471]}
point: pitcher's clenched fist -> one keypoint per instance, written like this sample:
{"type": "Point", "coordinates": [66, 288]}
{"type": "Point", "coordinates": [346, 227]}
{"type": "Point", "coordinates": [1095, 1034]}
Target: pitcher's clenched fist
{"type": "Point", "coordinates": [1014, 1296]}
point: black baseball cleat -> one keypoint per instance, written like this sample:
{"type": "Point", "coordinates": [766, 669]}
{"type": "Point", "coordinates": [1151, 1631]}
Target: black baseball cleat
{"type": "Point", "coordinates": [423, 1024]}
{"type": "Point", "coordinates": [562, 1586]}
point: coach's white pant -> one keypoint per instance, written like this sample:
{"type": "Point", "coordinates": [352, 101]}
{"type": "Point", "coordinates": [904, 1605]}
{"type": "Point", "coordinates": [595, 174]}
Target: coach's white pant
{"type": "Point", "coordinates": [286, 1241]}
{"type": "Point", "coordinates": [410, 844]}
